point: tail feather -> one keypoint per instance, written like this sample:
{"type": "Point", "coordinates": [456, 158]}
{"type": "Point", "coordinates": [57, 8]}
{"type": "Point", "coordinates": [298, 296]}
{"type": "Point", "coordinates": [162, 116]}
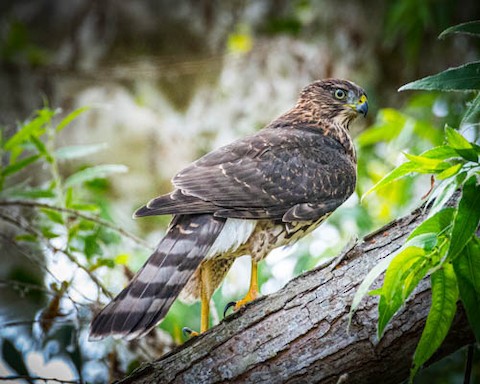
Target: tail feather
{"type": "Point", "coordinates": [148, 297]}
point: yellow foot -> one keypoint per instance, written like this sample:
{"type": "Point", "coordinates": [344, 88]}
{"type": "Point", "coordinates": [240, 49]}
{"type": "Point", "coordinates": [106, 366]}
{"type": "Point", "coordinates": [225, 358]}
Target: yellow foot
{"type": "Point", "coordinates": [189, 332]}
{"type": "Point", "coordinates": [251, 295]}
{"type": "Point", "coordinates": [236, 305]}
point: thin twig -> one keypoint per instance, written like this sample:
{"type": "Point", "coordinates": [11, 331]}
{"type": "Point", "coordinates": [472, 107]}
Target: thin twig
{"type": "Point", "coordinates": [39, 235]}
{"type": "Point", "coordinates": [21, 323]}
{"type": "Point", "coordinates": [37, 378]}
{"type": "Point", "coordinates": [22, 286]}
{"type": "Point", "coordinates": [74, 212]}
{"type": "Point", "coordinates": [92, 276]}
{"type": "Point", "coordinates": [469, 364]}
{"type": "Point", "coordinates": [26, 254]}
{"type": "Point", "coordinates": [52, 275]}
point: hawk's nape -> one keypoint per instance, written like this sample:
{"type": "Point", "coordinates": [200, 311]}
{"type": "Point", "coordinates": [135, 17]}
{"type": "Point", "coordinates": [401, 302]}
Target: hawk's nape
{"type": "Point", "coordinates": [258, 193]}
{"type": "Point", "coordinates": [148, 297]}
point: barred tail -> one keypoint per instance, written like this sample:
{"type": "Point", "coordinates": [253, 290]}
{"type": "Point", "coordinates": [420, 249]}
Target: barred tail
{"type": "Point", "coordinates": [148, 297]}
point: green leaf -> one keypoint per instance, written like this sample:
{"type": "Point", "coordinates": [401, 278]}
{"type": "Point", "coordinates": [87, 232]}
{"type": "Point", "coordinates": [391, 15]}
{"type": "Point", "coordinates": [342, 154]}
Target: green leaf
{"type": "Point", "coordinates": [36, 127]}
{"type": "Point", "coordinates": [461, 177]}
{"type": "Point", "coordinates": [69, 198]}
{"type": "Point", "coordinates": [85, 207]}
{"type": "Point", "coordinates": [39, 145]}
{"type": "Point", "coordinates": [54, 216]}
{"type": "Point", "coordinates": [426, 162]}
{"type": "Point", "coordinates": [99, 171]}
{"type": "Point", "coordinates": [449, 172]}
{"type": "Point", "coordinates": [392, 291]}
{"type": "Point", "coordinates": [441, 195]}
{"type": "Point", "coordinates": [435, 224]}
{"type": "Point", "coordinates": [472, 111]}
{"type": "Point", "coordinates": [86, 225]}
{"type": "Point", "coordinates": [91, 247]}
{"type": "Point", "coordinates": [16, 167]}
{"type": "Point", "coordinates": [48, 233]}
{"type": "Point", "coordinates": [30, 193]}
{"type": "Point", "coordinates": [463, 78]}
{"type": "Point", "coordinates": [77, 151]}
{"type": "Point", "coordinates": [70, 117]}
{"type": "Point", "coordinates": [104, 262]}
{"type": "Point", "coordinates": [414, 275]}
{"type": "Point", "coordinates": [460, 144]}
{"type": "Point", "coordinates": [426, 241]}
{"type": "Point", "coordinates": [467, 218]}
{"type": "Point", "coordinates": [442, 311]}
{"type": "Point", "coordinates": [469, 28]}
{"type": "Point", "coordinates": [397, 173]}
{"type": "Point", "coordinates": [467, 269]}
{"type": "Point", "coordinates": [42, 149]}
{"type": "Point", "coordinates": [442, 152]}
{"type": "Point", "coordinates": [362, 290]}
{"type": "Point", "coordinates": [26, 237]}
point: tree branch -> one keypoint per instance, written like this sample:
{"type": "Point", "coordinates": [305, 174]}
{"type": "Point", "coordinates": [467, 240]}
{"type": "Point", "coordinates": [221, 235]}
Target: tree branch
{"type": "Point", "coordinates": [299, 334]}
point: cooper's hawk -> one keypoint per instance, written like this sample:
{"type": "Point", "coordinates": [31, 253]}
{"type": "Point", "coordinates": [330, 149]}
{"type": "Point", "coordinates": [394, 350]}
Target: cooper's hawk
{"type": "Point", "coordinates": [247, 198]}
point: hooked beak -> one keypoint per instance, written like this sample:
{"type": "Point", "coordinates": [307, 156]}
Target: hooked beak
{"type": "Point", "coordinates": [362, 106]}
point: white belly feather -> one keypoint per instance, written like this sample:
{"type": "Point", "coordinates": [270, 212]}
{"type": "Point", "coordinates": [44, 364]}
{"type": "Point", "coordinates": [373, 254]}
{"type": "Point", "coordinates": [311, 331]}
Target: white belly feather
{"type": "Point", "coordinates": [235, 233]}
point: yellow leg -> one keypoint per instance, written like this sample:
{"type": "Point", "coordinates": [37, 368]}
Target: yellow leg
{"type": "Point", "coordinates": [205, 295]}
{"type": "Point", "coordinates": [252, 293]}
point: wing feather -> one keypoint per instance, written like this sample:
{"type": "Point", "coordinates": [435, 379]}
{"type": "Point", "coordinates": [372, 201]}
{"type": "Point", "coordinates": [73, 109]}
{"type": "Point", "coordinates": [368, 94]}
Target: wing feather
{"type": "Point", "coordinates": [288, 174]}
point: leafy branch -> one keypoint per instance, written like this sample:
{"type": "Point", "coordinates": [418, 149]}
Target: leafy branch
{"type": "Point", "coordinates": [64, 216]}
{"type": "Point", "coordinates": [445, 246]}
{"type": "Point", "coordinates": [77, 213]}
{"type": "Point", "coordinates": [39, 236]}
{"type": "Point", "coordinates": [70, 223]}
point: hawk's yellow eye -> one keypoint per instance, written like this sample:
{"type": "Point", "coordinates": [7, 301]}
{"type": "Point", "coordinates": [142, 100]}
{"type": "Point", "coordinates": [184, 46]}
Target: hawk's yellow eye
{"type": "Point", "coordinates": [340, 94]}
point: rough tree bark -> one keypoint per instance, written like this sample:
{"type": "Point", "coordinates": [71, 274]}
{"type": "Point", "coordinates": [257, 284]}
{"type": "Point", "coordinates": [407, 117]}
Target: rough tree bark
{"type": "Point", "coordinates": [299, 334]}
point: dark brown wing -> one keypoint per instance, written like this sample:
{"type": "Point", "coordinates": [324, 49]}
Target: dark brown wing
{"type": "Point", "coordinates": [294, 174]}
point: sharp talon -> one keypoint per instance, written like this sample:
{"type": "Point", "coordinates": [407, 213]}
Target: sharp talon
{"type": "Point", "coordinates": [228, 306]}
{"type": "Point", "coordinates": [189, 332]}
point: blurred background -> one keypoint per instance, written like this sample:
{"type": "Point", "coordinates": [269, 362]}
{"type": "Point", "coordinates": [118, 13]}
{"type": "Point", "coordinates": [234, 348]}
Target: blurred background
{"type": "Point", "coordinates": [165, 83]}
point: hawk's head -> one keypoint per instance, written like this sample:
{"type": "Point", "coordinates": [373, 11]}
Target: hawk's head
{"type": "Point", "coordinates": [333, 99]}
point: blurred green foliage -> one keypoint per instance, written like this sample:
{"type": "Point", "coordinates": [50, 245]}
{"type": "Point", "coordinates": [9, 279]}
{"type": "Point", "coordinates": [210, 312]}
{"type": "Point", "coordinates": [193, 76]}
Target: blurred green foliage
{"type": "Point", "coordinates": [407, 21]}
{"type": "Point", "coordinates": [445, 246]}
{"type": "Point", "coordinates": [18, 49]}
{"type": "Point", "coordinates": [68, 218]}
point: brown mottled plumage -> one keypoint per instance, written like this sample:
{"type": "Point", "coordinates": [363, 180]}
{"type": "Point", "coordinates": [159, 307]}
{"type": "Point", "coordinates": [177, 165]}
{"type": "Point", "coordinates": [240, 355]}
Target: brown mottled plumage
{"type": "Point", "coordinates": [256, 194]}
